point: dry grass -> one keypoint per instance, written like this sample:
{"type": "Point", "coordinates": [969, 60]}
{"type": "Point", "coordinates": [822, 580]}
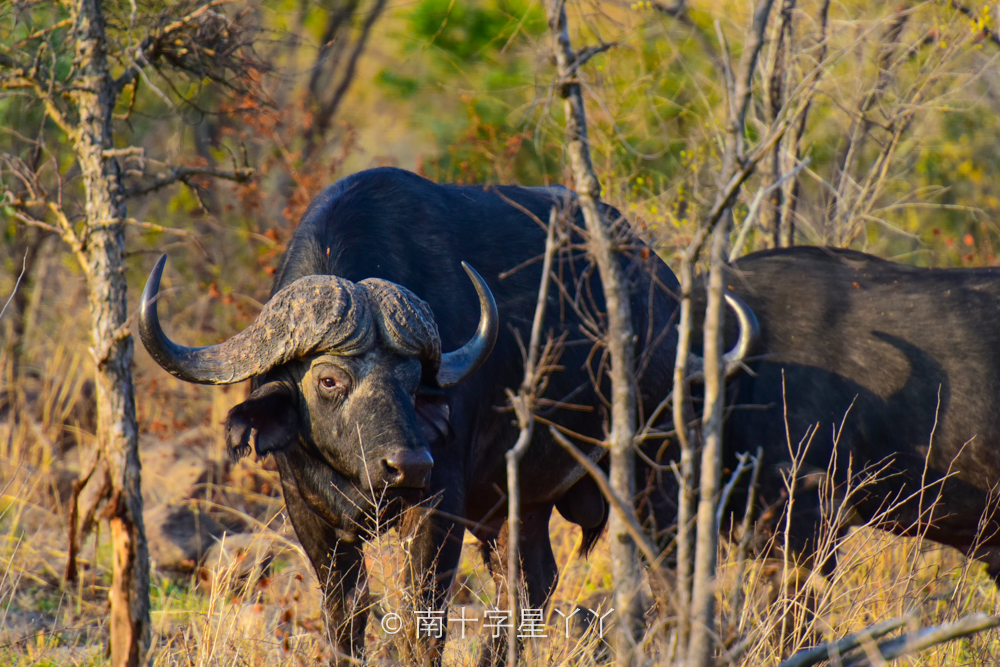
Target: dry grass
{"type": "Point", "coordinates": [242, 611]}
{"type": "Point", "coordinates": [255, 600]}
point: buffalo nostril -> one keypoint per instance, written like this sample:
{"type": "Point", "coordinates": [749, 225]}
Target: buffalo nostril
{"type": "Point", "coordinates": [408, 468]}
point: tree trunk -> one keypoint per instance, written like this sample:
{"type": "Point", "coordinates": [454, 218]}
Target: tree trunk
{"type": "Point", "coordinates": [702, 644]}
{"type": "Point", "coordinates": [624, 555]}
{"type": "Point", "coordinates": [776, 88]}
{"type": "Point", "coordinates": [104, 253]}
{"type": "Point", "coordinates": [683, 413]}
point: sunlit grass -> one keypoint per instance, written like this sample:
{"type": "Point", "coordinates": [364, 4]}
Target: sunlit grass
{"type": "Point", "coordinates": [257, 601]}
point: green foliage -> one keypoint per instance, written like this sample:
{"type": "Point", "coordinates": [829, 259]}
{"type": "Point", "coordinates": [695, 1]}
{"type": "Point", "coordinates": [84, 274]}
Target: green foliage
{"type": "Point", "coordinates": [397, 85]}
{"type": "Point", "coordinates": [470, 32]}
{"type": "Point", "coordinates": [490, 152]}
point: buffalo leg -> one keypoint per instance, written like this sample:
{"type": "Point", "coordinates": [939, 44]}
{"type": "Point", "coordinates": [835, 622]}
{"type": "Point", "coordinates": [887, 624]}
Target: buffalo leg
{"type": "Point", "coordinates": [538, 570]}
{"type": "Point", "coordinates": [340, 568]}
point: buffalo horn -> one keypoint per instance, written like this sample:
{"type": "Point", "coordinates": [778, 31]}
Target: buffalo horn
{"type": "Point", "coordinates": [733, 359]}
{"type": "Point", "coordinates": [749, 333]}
{"type": "Point", "coordinates": [405, 321]}
{"type": "Point", "coordinates": [457, 365]}
{"type": "Point", "coordinates": [312, 314]}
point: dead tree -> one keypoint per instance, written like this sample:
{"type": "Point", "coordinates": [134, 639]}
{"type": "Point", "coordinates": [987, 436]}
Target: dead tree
{"type": "Point", "coordinates": [778, 194]}
{"type": "Point", "coordinates": [196, 39]}
{"type": "Point", "coordinates": [696, 568]}
{"type": "Point", "coordinates": [784, 229]}
{"type": "Point", "coordinates": [907, 78]}
{"type": "Point", "coordinates": [619, 334]}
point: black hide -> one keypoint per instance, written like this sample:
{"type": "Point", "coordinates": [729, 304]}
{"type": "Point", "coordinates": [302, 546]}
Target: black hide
{"type": "Point", "coordinates": [902, 362]}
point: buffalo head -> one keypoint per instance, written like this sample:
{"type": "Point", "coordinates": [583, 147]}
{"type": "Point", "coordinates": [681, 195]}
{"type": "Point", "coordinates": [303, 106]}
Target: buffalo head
{"type": "Point", "coordinates": [350, 372]}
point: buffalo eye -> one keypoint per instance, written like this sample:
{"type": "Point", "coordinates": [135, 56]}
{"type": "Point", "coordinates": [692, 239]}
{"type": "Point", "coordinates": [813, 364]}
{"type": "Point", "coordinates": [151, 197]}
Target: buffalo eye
{"type": "Point", "coordinates": [333, 383]}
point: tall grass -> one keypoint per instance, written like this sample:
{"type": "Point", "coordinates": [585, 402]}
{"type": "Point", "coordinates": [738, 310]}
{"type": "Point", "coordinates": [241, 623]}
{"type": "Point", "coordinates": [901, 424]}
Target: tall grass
{"type": "Point", "coordinates": [255, 599]}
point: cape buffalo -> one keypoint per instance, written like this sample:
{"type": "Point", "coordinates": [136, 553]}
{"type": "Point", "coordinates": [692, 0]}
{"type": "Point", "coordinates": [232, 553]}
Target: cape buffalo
{"type": "Point", "coordinates": [900, 369]}
{"type": "Point", "coordinates": [356, 402]}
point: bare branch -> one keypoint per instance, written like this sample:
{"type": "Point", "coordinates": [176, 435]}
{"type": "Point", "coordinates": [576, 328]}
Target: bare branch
{"type": "Point", "coordinates": [34, 222]}
{"type": "Point", "coordinates": [68, 232]}
{"type": "Point", "coordinates": [755, 206]}
{"type": "Point", "coordinates": [818, 654]}
{"type": "Point", "coordinates": [38, 34]}
{"type": "Point", "coordinates": [585, 54]}
{"type": "Point", "coordinates": [622, 508]}
{"type": "Point", "coordinates": [124, 152]}
{"type": "Point", "coordinates": [735, 169]}
{"type": "Point", "coordinates": [22, 78]}
{"type": "Point", "coordinates": [683, 414]}
{"type": "Point", "coordinates": [745, 530]}
{"type": "Point", "coordinates": [240, 175]}
{"type": "Point", "coordinates": [326, 110]}
{"type": "Point", "coordinates": [727, 491]}
{"type": "Point", "coordinates": [776, 83]}
{"type": "Point", "coordinates": [786, 235]}
{"type": "Point", "coordinates": [619, 341]}
{"type": "Point", "coordinates": [861, 123]}
{"type": "Point", "coordinates": [911, 642]}
{"type": "Point", "coordinates": [920, 640]}
{"type": "Point", "coordinates": [983, 26]}
{"type": "Point", "coordinates": [24, 267]}
{"type": "Point", "coordinates": [185, 20]}
{"type": "Point", "coordinates": [203, 42]}
{"type": "Point", "coordinates": [152, 226]}
{"type": "Point", "coordinates": [679, 13]}
{"type": "Point", "coordinates": [725, 199]}
{"type": "Point", "coordinates": [744, 76]}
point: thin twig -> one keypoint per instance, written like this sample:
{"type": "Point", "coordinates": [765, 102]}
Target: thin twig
{"type": "Point", "coordinates": [24, 267]}
{"type": "Point", "coordinates": [182, 173]}
{"type": "Point", "coordinates": [524, 407]}
{"type": "Point", "coordinates": [727, 491]}
{"type": "Point", "coordinates": [152, 226]}
{"type": "Point", "coordinates": [745, 531]}
{"type": "Point", "coordinates": [755, 206]}
{"type": "Point", "coordinates": [619, 505]}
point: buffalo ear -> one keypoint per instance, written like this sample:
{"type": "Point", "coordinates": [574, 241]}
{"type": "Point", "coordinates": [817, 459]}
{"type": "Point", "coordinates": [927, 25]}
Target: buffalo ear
{"type": "Point", "coordinates": [433, 412]}
{"type": "Point", "coordinates": [270, 415]}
